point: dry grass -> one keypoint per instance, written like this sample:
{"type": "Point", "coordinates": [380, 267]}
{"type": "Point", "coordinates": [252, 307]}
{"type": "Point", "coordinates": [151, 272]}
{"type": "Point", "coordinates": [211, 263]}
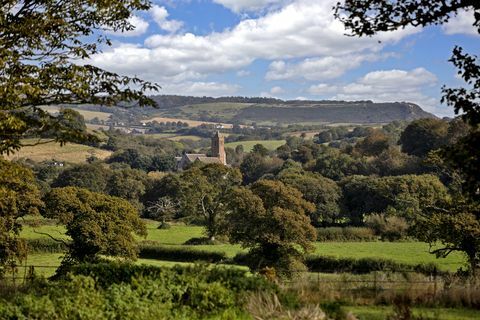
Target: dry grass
{"type": "Point", "coordinates": [88, 115]}
{"type": "Point", "coordinates": [71, 152]}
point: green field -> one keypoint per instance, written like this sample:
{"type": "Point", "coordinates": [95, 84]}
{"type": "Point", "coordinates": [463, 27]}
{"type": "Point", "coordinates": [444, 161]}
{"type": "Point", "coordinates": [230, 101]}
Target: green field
{"type": "Point", "coordinates": [248, 145]}
{"type": "Point", "coordinates": [71, 152]}
{"type": "Point", "coordinates": [402, 252]}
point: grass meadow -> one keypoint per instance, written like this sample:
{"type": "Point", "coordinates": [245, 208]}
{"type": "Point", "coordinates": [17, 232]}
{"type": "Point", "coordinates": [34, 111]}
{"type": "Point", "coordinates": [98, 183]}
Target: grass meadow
{"type": "Point", "coordinates": [409, 252]}
{"type": "Point", "coordinates": [248, 145]}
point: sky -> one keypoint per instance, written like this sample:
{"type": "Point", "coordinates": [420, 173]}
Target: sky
{"type": "Point", "coordinates": [287, 49]}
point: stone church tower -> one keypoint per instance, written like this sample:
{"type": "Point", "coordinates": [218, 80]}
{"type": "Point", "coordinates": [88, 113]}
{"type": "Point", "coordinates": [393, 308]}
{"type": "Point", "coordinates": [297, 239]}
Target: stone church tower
{"type": "Point", "coordinates": [218, 148]}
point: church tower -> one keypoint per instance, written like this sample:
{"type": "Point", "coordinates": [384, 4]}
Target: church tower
{"type": "Point", "coordinates": [218, 148]}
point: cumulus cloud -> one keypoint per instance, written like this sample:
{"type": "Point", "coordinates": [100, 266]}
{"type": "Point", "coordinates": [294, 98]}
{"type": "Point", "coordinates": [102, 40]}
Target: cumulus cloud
{"type": "Point", "coordinates": [160, 15]}
{"type": "Point", "coordinates": [247, 5]}
{"type": "Point", "coordinates": [299, 30]}
{"type": "Point", "coordinates": [140, 27]}
{"type": "Point", "coordinates": [385, 86]}
{"type": "Point", "coordinates": [316, 68]}
{"type": "Point", "coordinates": [461, 24]}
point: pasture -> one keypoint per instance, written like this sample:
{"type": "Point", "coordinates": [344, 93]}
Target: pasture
{"type": "Point", "coordinates": [70, 152]}
{"type": "Point", "coordinates": [248, 145]}
{"type": "Point", "coordinates": [410, 252]}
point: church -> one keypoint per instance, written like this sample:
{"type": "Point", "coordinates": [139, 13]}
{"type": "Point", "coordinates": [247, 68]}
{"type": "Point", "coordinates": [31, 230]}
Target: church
{"type": "Point", "coordinates": [218, 154]}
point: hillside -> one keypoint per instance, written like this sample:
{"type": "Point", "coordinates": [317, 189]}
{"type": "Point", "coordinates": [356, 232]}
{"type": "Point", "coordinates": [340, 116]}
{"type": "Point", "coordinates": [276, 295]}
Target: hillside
{"type": "Point", "coordinates": [263, 111]}
{"type": "Point", "coordinates": [273, 111]}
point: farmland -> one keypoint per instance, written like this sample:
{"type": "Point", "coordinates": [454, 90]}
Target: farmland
{"type": "Point", "coordinates": [248, 145]}
{"type": "Point", "coordinates": [71, 152]}
{"type": "Point", "coordinates": [408, 252]}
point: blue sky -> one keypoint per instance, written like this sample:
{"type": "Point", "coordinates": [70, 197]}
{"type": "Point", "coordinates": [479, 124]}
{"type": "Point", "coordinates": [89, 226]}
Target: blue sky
{"type": "Point", "coordinates": [289, 49]}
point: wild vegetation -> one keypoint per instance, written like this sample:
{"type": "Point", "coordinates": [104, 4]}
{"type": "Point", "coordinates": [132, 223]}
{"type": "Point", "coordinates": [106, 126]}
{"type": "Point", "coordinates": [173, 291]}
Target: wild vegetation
{"type": "Point", "coordinates": [323, 225]}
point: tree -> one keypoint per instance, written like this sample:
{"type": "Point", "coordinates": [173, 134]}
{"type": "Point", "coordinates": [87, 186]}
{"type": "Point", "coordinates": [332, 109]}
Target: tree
{"type": "Point", "coordinates": [98, 224]}
{"type": "Point", "coordinates": [424, 135]}
{"type": "Point", "coordinates": [163, 210]}
{"type": "Point", "coordinates": [93, 177]}
{"type": "Point", "coordinates": [19, 196]}
{"type": "Point", "coordinates": [456, 225]}
{"type": "Point", "coordinates": [373, 144]}
{"type": "Point", "coordinates": [458, 218]}
{"type": "Point", "coordinates": [254, 166]}
{"type": "Point", "coordinates": [321, 191]}
{"type": "Point", "coordinates": [128, 184]}
{"type": "Point", "coordinates": [270, 219]}
{"type": "Point", "coordinates": [41, 44]}
{"type": "Point", "coordinates": [205, 192]}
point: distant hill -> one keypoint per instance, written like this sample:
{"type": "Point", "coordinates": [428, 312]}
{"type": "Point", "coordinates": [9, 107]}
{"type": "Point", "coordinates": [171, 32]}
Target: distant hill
{"type": "Point", "coordinates": [268, 110]}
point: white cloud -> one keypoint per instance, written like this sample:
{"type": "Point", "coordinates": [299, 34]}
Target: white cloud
{"type": "Point", "coordinates": [300, 30]}
{"type": "Point", "coordinates": [243, 73]}
{"type": "Point", "coordinates": [140, 27]}
{"type": "Point", "coordinates": [316, 68]}
{"type": "Point", "coordinates": [160, 15]}
{"type": "Point", "coordinates": [247, 5]}
{"type": "Point", "coordinates": [385, 86]}
{"type": "Point", "coordinates": [277, 90]}
{"type": "Point", "coordinates": [461, 24]}
{"type": "Point", "coordinates": [200, 89]}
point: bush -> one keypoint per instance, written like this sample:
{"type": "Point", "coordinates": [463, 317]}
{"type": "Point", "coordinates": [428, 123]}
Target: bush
{"type": "Point", "coordinates": [45, 245]}
{"type": "Point", "coordinates": [152, 251]}
{"type": "Point", "coordinates": [389, 228]}
{"type": "Point", "coordinates": [365, 265]}
{"type": "Point", "coordinates": [346, 234]}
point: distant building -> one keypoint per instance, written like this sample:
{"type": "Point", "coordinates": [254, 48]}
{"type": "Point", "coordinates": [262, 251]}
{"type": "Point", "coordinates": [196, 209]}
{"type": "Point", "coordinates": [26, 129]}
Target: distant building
{"type": "Point", "coordinates": [218, 154]}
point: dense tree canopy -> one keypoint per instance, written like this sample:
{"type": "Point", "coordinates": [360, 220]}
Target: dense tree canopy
{"type": "Point", "coordinates": [271, 219]}
{"type": "Point", "coordinates": [424, 135]}
{"type": "Point", "coordinates": [98, 224]}
{"type": "Point", "coordinates": [19, 196]}
{"type": "Point", "coordinates": [41, 43]}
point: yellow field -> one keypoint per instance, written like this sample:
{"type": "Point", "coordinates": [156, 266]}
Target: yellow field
{"type": "Point", "coordinates": [88, 115]}
{"type": "Point", "coordinates": [71, 152]}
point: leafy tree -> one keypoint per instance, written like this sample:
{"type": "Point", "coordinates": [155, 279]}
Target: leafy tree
{"type": "Point", "coordinates": [408, 195]}
{"type": "Point", "coordinates": [163, 163]}
{"type": "Point", "coordinates": [459, 218]}
{"type": "Point", "coordinates": [205, 192]}
{"type": "Point", "coordinates": [132, 157]}
{"type": "Point", "coordinates": [424, 135]}
{"type": "Point", "coordinates": [373, 144]}
{"type": "Point", "coordinates": [128, 184]}
{"type": "Point", "coordinates": [254, 166]}
{"type": "Point", "coordinates": [270, 219]}
{"type": "Point", "coordinates": [19, 196]}
{"type": "Point", "coordinates": [98, 224]}
{"type": "Point", "coordinates": [93, 177]}
{"type": "Point", "coordinates": [40, 44]}
{"type": "Point", "coordinates": [321, 191]}
{"type": "Point", "coordinates": [456, 225]}
{"type": "Point", "coordinates": [260, 150]}
{"type": "Point", "coordinates": [335, 164]}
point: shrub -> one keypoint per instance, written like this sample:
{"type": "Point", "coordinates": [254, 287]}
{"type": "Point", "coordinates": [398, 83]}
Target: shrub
{"type": "Point", "coordinates": [365, 265]}
{"type": "Point", "coordinates": [152, 251]}
{"type": "Point", "coordinates": [45, 245]}
{"type": "Point", "coordinates": [389, 228]}
{"type": "Point", "coordinates": [346, 234]}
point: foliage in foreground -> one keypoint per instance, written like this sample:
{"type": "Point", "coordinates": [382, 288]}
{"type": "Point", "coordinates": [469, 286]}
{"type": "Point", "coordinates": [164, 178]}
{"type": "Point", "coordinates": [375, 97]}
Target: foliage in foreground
{"type": "Point", "coordinates": [125, 291]}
